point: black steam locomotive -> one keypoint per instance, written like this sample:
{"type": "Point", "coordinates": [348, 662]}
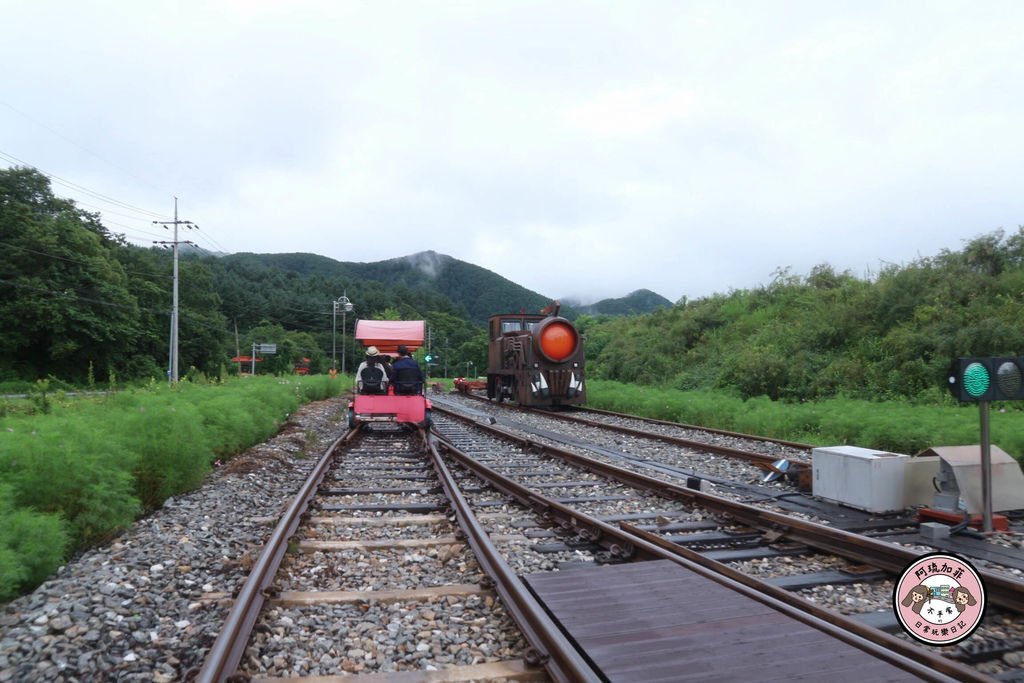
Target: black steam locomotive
{"type": "Point", "coordinates": [535, 359]}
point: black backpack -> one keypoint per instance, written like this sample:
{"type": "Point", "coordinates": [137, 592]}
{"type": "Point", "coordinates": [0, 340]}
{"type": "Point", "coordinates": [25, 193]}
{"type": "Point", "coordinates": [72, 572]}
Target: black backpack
{"type": "Point", "coordinates": [408, 381]}
{"type": "Point", "coordinates": [372, 377]}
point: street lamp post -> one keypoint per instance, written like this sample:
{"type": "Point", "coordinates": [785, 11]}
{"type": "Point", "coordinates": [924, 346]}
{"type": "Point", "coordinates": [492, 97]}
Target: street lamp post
{"type": "Point", "coordinates": [345, 305]}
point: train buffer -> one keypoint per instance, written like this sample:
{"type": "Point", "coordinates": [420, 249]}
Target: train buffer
{"type": "Point", "coordinates": [465, 386]}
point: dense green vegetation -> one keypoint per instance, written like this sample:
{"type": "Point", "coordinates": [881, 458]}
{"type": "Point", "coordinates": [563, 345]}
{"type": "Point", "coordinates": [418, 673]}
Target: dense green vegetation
{"type": "Point", "coordinates": [82, 306]}
{"type": "Point", "coordinates": [74, 472]}
{"type": "Point", "coordinates": [75, 297]}
{"type": "Point", "coordinates": [829, 334]}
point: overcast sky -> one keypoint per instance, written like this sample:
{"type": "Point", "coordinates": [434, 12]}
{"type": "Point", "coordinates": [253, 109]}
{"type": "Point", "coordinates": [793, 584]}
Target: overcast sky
{"type": "Point", "coordinates": [581, 149]}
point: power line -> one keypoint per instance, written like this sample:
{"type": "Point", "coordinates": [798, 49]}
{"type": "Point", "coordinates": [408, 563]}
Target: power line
{"type": "Point", "coordinates": [206, 252]}
{"type": "Point", "coordinates": [104, 198]}
{"type": "Point", "coordinates": [73, 142]}
{"type": "Point", "coordinates": [113, 213]}
{"type": "Point", "coordinates": [215, 243]}
{"type": "Point", "coordinates": [81, 188]}
{"type": "Point", "coordinates": [79, 297]}
{"type": "Point", "coordinates": [138, 231]}
{"type": "Point", "coordinates": [193, 319]}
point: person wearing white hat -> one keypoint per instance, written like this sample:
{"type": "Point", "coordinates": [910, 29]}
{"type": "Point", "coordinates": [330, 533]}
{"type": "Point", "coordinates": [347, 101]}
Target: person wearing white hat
{"type": "Point", "coordinates": [371, 375]}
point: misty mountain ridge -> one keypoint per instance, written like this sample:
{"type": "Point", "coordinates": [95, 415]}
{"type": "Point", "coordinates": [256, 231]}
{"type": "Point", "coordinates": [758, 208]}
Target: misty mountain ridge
{"type": "Point", "coordinates": [479, 291]}
{"type": "Point", "coordinates": [635, 303]}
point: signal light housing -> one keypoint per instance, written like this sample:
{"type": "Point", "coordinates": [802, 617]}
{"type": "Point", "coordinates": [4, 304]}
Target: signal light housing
{"type": "Point", "coordinates": [998, 378]}
{"type": "Point", "coordinates": [557, 339]}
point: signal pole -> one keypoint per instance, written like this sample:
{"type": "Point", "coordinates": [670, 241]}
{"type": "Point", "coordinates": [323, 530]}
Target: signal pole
{"type": "Point", "coordinates": [173, 370]}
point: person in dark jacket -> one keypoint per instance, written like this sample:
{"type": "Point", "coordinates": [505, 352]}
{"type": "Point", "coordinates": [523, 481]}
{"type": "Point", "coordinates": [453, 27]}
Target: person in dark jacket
{"type": "Point", "coordinates": [408, 377]}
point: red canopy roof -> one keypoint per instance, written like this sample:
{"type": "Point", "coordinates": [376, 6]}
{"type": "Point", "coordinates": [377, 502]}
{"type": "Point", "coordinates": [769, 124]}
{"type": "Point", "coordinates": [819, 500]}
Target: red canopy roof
{"type": "Point", "coordinates": [386, 335]}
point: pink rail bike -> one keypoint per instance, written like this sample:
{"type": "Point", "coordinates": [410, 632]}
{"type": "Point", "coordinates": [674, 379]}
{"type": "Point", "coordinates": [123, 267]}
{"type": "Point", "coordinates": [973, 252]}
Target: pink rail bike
{"type": "Point", "coordinates": [403, 403]}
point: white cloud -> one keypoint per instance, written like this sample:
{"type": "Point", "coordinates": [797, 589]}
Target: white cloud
{"type": "Point", "coordinates": [637, 109]}
{"type": "Point", "coordinates": [686, 149]}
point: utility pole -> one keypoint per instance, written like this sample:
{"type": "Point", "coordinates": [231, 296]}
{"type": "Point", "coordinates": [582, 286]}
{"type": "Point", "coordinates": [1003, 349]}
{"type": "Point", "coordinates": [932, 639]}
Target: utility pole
{"type": "Point", "coordinates": [238, 350]}
{"type": "Point", "coordinates": [173, 371]}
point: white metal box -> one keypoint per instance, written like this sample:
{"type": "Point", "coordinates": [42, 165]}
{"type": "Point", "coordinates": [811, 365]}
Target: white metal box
{"type": "Point", "coordinates": [860, 477]}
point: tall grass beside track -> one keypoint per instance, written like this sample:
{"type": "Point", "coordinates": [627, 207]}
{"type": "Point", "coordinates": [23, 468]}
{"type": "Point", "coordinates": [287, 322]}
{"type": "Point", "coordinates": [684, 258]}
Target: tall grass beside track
{"type": "Point", "coordinates": [895, 426]}
{"type": "Point", "coordinates": [89, 467]}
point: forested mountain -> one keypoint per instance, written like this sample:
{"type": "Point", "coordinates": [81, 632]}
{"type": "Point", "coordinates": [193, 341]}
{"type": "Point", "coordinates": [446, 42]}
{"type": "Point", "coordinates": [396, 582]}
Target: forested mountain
{"type": "Point", "coordinates": [636, 303]}
{"type": "Point", "coordinates": [474, 291]}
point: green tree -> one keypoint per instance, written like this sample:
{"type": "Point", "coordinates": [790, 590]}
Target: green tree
{"type": "Point", "coordinates": [65, 299]}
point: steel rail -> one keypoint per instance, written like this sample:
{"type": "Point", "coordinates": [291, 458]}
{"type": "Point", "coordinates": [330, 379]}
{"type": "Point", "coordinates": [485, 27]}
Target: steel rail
{"type": "Point", "coordinates": [228, 649]}
{"type": "Point", "coordinates": [927, 665]}
{"type": "Point", "coordinates": [760, 459]}
{"type": "Point", "coordinates": [559, 657]}
{"type": "Point", "coordinates": [1000, 589]}
{"type": "Point", "coordinates": [683, 425]}
{"type": "Point", "coordinates": [641, 418]}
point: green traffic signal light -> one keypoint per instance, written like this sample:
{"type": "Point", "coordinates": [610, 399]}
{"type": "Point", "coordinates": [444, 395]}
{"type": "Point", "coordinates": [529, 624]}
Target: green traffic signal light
{"type": "Point", "coordinates": [976, 380]}
{"type": "Point", "coordinates": [988, 379]}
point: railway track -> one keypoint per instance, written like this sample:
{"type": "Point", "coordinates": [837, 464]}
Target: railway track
{"type": "Point", "coordinates": [763, 454]}
{"type": "Point", "coordinates": [690, 462]}
{"type": "Point", "coordinates": [760, 450]}
{"type": "Point", "coordinates": [1006, 590]}
{"type": "Point", "coordinates": [486, 544]}
{"type": "Point", "coordinates": [867, 567]}
{"type": "Point", "coordinates": [773, 497]}
{"type": "Point", "coordinates": [740, 479]}
{"type": "Point", "coordinates": [388, 481]}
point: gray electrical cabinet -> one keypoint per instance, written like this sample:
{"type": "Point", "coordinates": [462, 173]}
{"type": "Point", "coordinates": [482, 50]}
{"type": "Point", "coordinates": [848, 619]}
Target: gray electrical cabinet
{"type": "Point", "coordinates": [860, 477]}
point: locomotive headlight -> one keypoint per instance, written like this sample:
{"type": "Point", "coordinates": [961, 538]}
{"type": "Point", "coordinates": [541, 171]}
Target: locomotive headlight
{"type": "Point", "coordinates": [557, 339]}
{"type": "Point", "coordinates": [536, 365]}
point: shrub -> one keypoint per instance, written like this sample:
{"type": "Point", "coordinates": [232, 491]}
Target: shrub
{"type": "Point", "coordinates": [31, 545]}
{"type": "Point", "coordinates": [168, 448]}
{"type": "Point", "coordinates": [84, 471]}
{"type": "Point", "coordinates": [67, 465]}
